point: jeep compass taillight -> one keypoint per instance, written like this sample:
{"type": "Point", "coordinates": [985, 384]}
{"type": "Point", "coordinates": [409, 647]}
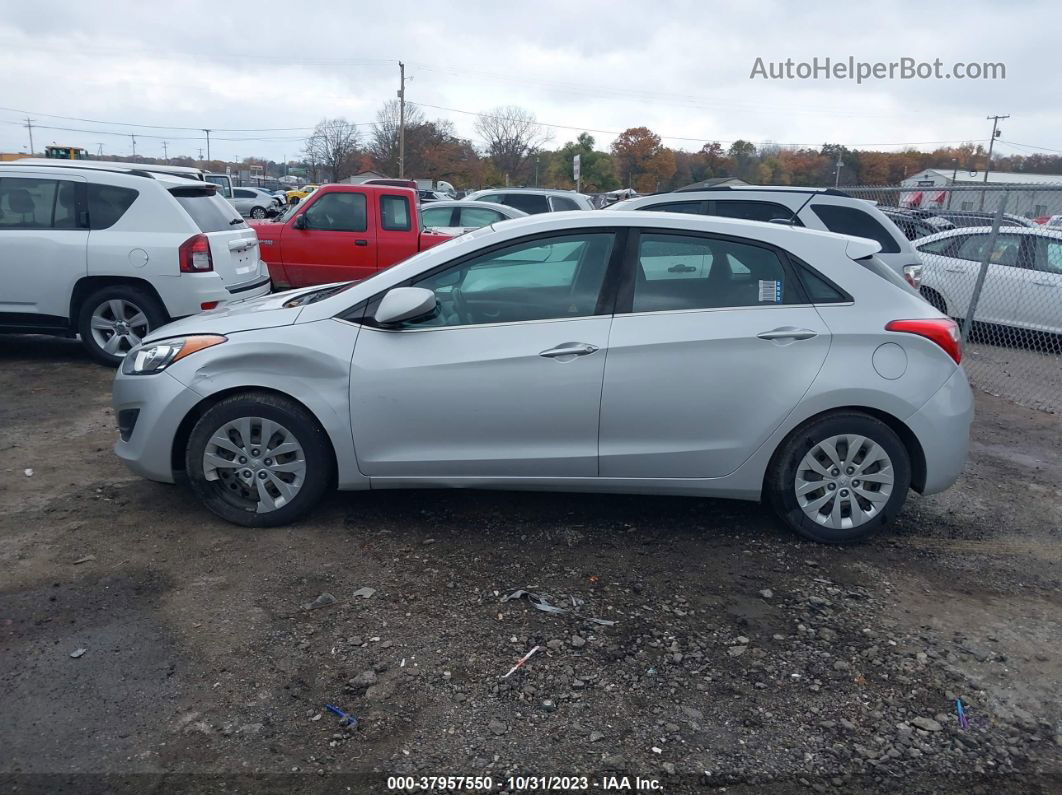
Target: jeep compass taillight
{"type": "Point", "coordinates": [194, 255]}
{"type": "Point", "coordinates": [942, 330]}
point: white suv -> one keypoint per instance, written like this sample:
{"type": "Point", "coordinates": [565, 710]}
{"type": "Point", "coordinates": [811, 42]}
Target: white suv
{"type": "Point", "coordinates": [112, 253]}
{"type": "Point", "coordinates": [816, 208]}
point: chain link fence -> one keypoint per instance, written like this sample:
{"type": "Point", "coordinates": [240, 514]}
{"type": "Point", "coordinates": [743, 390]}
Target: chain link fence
{"type": "Point", "coordinates": [992, 259]}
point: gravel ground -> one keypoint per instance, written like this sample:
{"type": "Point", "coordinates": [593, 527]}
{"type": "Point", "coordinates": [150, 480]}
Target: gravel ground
{"type": "Point", "coordinates": [741, 659]}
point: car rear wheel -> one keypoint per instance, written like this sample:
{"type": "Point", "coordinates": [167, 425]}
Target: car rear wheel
{"type": "Point", "coordinates": [258, 460]}
{"type": "Point", "coordinates": [258, 212]}
{"type": "Point", "coordinates": [839, 478]}
{"type": "Point", "coordinates": [113, 320]}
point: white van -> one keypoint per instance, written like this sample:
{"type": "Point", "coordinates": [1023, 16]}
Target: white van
{"type": "Point", "coordinates": [111, 251]}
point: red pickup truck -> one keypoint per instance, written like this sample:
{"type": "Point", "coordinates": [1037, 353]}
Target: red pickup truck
{"type": "Point", "coordinates": [341, 233]}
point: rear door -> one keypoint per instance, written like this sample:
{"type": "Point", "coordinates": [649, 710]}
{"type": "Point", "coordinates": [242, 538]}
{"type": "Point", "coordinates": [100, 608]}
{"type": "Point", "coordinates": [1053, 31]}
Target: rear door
{"type": "Point", "coordinates": [1040, 305]}
{"type": "Point", "coordinates": [42, 247]}
{"type": "Point", "coordinates": [233, 244]}
{"type": "Point", "coordinates": [337, 243]}
{"type": "Point", "coordinates": [712, 346]}
{"type": "Point", "coordinates": [1003, 281]}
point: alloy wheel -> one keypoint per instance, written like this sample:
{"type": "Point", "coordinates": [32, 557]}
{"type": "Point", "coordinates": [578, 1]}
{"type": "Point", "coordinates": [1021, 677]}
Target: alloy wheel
{"type": "Point", "coordinates": [118, 326]}
{"type": "Point", "coordinates": [844, 481]}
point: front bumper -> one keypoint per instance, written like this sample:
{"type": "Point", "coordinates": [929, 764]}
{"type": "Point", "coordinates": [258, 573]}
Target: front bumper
{"type": "Point", "coordinates": [942, 426]}
{"type": "Point", "coordinates": [161, 402]}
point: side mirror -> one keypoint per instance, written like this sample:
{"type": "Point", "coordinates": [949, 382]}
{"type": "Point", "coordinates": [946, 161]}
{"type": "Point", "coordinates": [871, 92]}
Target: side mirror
{"type": "Point", "coordinates": [404, 303]}
{"type": "Point", "coordinates": [300, 221]}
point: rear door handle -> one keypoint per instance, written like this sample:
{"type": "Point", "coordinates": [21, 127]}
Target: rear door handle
{"type": "Point", "coordinates": [954, 270]}
{"type": "Point", "coordinates": [787, 333]}
{"type": "Point", "coordinates": [569, 349]}
{"type": "Point", "coordinates": [361, 242]}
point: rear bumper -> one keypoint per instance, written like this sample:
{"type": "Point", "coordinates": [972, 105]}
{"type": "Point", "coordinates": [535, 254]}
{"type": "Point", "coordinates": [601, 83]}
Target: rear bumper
{"type": "Point", "coordinates": [942, 426]}
{"type": "Point", "coordinates": [160, 402]}
{"type": "Point", "coordinates": [186, 294]}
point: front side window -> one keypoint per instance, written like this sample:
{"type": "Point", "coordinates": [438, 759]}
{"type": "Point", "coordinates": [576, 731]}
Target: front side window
{"type": "Point", "coordinates": [530, 203]}
{"type": "Point", "coordinates": [541, 279]}
{"type": "Point", "coordinates": [437, 216]}
{"type": "Point", "coordinates": [394, 213]}
{"type": "Point", "coordinates": [108, 203]}
{"type": "Point", "coordinates": [1006, 251]}
{"type": "Point", "coordinates": [1049, 255]}
{"type": "Point", "coordinates": [685, 272]}
{"type": "Point", "coordinates": [337, 212]}
{"type": "Point", "coordinates": [28, 203]}
{"type": "Point", "coordinates": [477, 217]}
{"type": "Point", "coordinates": [853, 221]}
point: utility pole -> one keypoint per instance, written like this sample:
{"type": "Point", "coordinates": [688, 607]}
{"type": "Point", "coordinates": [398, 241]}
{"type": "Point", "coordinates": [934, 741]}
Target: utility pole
{"type": "Point", "coordinates": [401, 120]}
{"type": "Point", "coordinates": [165, 152]}
{"type": "Point", "coordinates": [208, 143]}
{"type": "Point", "coordinates": [837, 174]}
{"type": "Point", "coordinates": [29, 127]}
{"type": "Point", "coordinates": [134, 146]}
{"type": "Point", "coordinates": [99, 149]}
{"type": "Point", "coordinates": [991, 144]}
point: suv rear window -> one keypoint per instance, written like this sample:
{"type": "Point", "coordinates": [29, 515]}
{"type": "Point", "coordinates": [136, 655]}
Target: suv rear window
{"type": "Point", "coordinates": [210, 212]}
{"type": "Point", "coordinates": [851, 221]}
{"type": "Point", "coordinates": [530, 203]}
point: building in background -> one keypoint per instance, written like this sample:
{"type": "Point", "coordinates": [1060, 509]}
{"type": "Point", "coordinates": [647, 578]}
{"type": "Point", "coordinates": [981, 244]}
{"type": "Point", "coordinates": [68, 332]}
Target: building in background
{"type": "Point", "coordinates": [1037, 194]}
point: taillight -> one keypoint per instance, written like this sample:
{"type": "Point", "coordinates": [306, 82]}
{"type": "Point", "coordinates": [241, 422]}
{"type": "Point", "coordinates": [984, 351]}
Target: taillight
{"type": "Point", "coordinates": [942, 330]}
{"type": "Point", "coordinates": [194, 255]}
{"type": "Point", "coordinates": [913, 275]}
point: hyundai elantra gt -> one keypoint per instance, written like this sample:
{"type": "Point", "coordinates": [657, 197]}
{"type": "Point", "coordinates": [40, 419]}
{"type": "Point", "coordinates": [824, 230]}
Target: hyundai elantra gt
{"type": "Point", "coordinates": [651, 353]}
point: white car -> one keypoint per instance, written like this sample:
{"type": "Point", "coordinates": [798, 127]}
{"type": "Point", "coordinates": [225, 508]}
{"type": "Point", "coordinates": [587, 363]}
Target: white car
{"type": "Point", "coordinates": [1023, 285]}
{"type": "Point", "coordinates": [111, 254]}
{"type": "Point", "coordinates": [456, 217]}
{"type": "Point", "coordinates": [534, 200]}
{"type": "Point", "coordinates": [253, 202]}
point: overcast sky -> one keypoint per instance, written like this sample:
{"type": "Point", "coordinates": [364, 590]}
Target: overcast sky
{"type": "Point", "coordinates": [680, 68]}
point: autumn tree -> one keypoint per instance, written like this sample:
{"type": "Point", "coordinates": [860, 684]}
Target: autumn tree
{"type": "Point", "coordinates": [384, 138]}
{"type": "Point", "coordinates": [641, 160]}
{"type": "Point", "coordinates": [512, 136]}
{"type": "Point", "coordinates": [331, 148]}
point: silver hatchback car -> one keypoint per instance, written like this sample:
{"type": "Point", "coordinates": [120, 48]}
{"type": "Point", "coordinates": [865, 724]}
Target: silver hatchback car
{"type": "Point", "coordinates": [588, 351]}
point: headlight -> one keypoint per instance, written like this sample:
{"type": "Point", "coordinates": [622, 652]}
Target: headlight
{"type": "Point", "coordinates": [157, 356]}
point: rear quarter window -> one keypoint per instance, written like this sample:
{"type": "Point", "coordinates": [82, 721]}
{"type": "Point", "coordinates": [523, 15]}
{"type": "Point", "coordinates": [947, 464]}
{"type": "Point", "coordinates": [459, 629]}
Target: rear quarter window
{"type": "Point", "coordinates": [107, 204]}
{"type": "Point", "coordinates": [208, 210]}
{"type": "Point", "coordinates": [530, 203]}
{"type": "Point", "coordinates": [853, 221]}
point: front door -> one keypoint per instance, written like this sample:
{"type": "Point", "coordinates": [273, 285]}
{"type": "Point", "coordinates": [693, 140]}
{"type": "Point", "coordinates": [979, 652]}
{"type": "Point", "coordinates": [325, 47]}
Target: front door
{"type": "Point", "coordinates": [504, 380]}
{"type": "Point", "coordinates": [336, 243]}
{"type": "Point", "coordinates": [717, 348]}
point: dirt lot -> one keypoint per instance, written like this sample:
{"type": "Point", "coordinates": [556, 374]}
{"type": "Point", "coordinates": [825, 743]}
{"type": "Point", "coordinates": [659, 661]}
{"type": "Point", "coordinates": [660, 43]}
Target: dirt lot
{"type": "Point", "coordinates": [740, 658]}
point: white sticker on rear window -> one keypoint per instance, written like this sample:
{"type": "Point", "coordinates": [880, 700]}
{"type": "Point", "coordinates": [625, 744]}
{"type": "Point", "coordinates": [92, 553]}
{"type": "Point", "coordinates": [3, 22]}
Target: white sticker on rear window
{"type": "Point", "coordinates": [770, 291]}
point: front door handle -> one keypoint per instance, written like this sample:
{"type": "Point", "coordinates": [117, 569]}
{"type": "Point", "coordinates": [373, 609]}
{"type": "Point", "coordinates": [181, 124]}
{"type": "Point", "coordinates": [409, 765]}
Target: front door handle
{"type": "Point", "coordinates": [361, 242]}
{"type": "Point", "coordinates": [569, 349]}
{"type": "Point", "coordinates": [787, 333]}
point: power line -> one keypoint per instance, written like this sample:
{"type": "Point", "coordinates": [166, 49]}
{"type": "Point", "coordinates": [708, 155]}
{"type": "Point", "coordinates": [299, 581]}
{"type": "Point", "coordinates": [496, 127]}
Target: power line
{"type": "Point", "coordinates": [159, 126]}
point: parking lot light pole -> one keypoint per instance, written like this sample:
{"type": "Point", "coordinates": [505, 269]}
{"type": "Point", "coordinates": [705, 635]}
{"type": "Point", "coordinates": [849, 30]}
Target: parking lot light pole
{"type": "Point", "coordinates": [208, 143]}
{"type": "Point", "coordinates": [991, 143]}
{"type": "Point", "coordinates": [401, 120]}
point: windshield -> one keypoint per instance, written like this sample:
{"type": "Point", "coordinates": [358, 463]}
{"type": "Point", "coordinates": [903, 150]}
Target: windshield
{"type": "Point", "coordinates": [289, 211]}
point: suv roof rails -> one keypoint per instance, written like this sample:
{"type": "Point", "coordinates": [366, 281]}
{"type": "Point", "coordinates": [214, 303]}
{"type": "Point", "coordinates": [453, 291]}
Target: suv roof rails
{"type": "Point", "coordinates": [136, 172]}
{"type": "Point", "coordinates": [786, 188]}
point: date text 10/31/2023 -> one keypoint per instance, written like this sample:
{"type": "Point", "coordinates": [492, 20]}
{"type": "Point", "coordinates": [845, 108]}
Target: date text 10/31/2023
{"type": "Point", "coordinates": [607, 783]}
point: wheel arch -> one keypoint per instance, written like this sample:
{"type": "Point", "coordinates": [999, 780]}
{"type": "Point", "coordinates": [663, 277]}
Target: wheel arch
{"type": "Point", "coordinates": [184, 429]}
{"type": "Point", "coordinates": [910, 441]}
{"type": "Point", "coordinates": [90, 284]}
{"type": "Point", "coordinates": [925, 291]}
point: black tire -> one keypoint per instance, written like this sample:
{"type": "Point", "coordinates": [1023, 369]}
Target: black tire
{"type": "Point", "coordinates": [780, 483]}
{"type": "Point", "coordinates": [258, 212]}
{"type": "Point", "coordinates": [935, 299]}
{"type": "Point", "coordinates": [142, 300]}
{"type": "Point", "coordinates": [221, 499]}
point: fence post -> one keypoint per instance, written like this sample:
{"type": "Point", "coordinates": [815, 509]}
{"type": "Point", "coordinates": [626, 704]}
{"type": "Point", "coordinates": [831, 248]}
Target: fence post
{"type": "Point", "coordinates": [967, 323]}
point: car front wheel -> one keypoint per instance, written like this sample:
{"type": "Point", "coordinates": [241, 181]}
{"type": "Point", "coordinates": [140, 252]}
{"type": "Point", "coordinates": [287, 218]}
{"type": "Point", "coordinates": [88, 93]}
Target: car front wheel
{"type": "Point", "coordinates": [258, 212]}
{"type": "Point", "coordinates": [258, 460]}
{"type": "Point", "coordinates": [839, 478]}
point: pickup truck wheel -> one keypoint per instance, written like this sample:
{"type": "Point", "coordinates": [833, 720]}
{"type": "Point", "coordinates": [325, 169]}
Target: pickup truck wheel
{"type": "Point", "coordinates": [114, 319]}
{"type": "Point", "coordinates": [258, 212]}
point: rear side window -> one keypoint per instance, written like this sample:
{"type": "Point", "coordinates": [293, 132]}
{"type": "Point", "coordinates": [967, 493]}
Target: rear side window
{"type": "Point", "coordinates": [752, 211]}
{"type": "Point", "coordinates": [474, 216]}
{"type": "Point", "coordinates": [108, 203]}
{"type": "Point", "coordinates": [563, 203]}
{"type": "Point", "coordinates": [693, 208]}
{"type": "Point", "coordinates": [939, 246]}
{"type": "Point", "coordinates": [208, 210]}
{"type": "Point", "coordinates": [530, 203]}
{"type": "Point", "coordinates": [686, 272]}
{"type": "Point", "coordinates": [852, 221]}
{"type": "Point", "coordinates": [394, 213]}
{"type": "Point", "coordinates": [437, 216]}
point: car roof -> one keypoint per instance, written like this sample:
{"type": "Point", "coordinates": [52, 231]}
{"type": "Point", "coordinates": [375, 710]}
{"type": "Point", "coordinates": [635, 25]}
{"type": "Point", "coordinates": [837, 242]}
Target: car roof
{"type": "Point", "coordinates": [770, 188]}
{"type": "Point", "coordinates": [502, 208]}
{"type": "Point", "coordinates": [111, 165]}
{"type": "Point", "coordinates": [543, 191]}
